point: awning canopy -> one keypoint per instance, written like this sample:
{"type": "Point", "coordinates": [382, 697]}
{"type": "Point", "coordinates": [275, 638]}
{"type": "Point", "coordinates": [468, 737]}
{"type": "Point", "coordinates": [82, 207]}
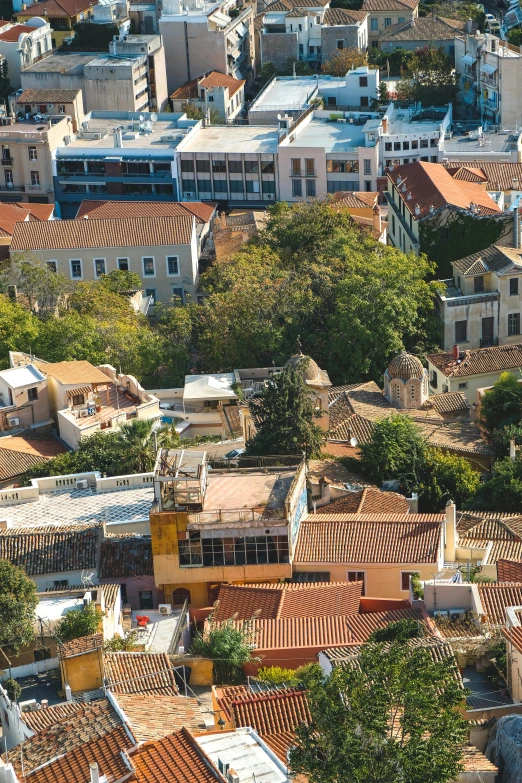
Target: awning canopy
{"type": "Point", "coordinates": [488, 68]}
{"type": "Point", "coordinates": [314, 42]}
{"type": "Point", "coordinates": [209, 387]}
{"type": "Point", "coordinates": [79, 390]}
{"type": "Point", "coordinates": [468, 59]}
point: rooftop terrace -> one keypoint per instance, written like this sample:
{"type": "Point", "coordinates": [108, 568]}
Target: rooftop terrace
{"type": "Point", "coordinates": [233, 138]}
{"type": "Point", "coordinates": [333, 136]}
{"type": "Point", "coordinates": [468, 143]}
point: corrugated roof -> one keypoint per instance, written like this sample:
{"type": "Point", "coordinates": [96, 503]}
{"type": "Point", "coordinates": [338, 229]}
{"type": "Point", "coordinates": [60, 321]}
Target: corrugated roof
{"type": "Point", "coordinates": [478, 361]}
{"type": "Point", "coordinates": [48, 96]}
{"type": "Point", "coordinates": [367, 538]}
{"type": "Point", "coordinates": [99, 210]}
{"type": "Point", "coordinates": [139, 672]}
{"type": "Point", "coordinates": [509, 570]}
{"type": "Point", "coordinates": [123, 232]}
{"type": "Point", "coordinates": [496, 598]}
{"type": "Point", "coordinates": [53, 549]}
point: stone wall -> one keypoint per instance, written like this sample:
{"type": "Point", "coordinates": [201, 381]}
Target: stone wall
{"type": "Point", "coordinates": [330, 36]}
{"type": "Point", "coordinates": [277, 48]}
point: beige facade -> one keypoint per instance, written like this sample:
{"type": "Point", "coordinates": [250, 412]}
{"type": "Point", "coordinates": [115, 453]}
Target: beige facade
{"type": "Point", "coordinates": [26, 159]}
{"type": "Point", "coordinates": [219, 97]}
{"type": "Point", "coordinates": [468, 385]}
{"type": "Point", "coordinates": [384, 16]}
{"type": "Point", "coordinates": [51, 102]}
{"type": "Point", "coordinates": [24, 400]}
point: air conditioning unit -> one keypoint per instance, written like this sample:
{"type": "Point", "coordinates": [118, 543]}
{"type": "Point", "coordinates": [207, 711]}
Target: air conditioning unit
{"type": "Point", "coordinates": [456, 614]}
{"type": "Point", "coordinates": [82, 484]}
{"type": "Point", "coordinates": [270, 196]}
{"type": "Point", "coordinates": [97, 135]}
{"type": "Point", "coordinates": [188, 195]}
{"type": "Point", "coordinates": [165, 609]}
{"type": "Point", "coordinates": [223, 765]}
{"type": "Point", "coordinates": [233, 776]}
{"type": "Point", "coordinates": [66, 140]}
{"type": "Point", "coordinates": [14, 422]}
{"type": "Point", "coordinates": [84, 413]}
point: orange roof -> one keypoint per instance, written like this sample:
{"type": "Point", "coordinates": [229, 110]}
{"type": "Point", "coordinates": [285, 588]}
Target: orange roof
{"type": "Point", "coordinates": [99, 210]}
{"type": "Point", "coordinates": [369, 538]}
{"type": "Point", "coordinates": [37, 447]}
{"type": "Point", "coordinates": [73, 372]}
{"type": "Point", "coordinates": [355, 199]}
{"type": "Point", "coordinates": [139, 672]}
{"type": "Point", "coordinates": [174, 759]}
{"type": "Point", "coordinates": [509, 571]}
{"type": "Point", "coordinates": [288, 600]}
{"type": "Point", "coordinates": [37, 720]}
{"type": "Point", "coordinates": [11, 214]}
{"type": "Point", "coordinates": [208, 81]}
{"type": "Point", "coordinates": [431, 185]}
{"type": "Point", "coordinates": [496, 598]}
{"type": "Point", "coordinates": [13, 34]}
{"type": "Point", "coordinates": [153, 716]}
{"type": "Point", "coordinates": [85, 644]}
{"type": "Point", "coordinates": [368, 501]}
{"type": "Point", "coordinates": [273, 712]}
{"type": "Point", "coordinates": [514, 634]}
{"type": "Point", "coordinates": [59, 8]}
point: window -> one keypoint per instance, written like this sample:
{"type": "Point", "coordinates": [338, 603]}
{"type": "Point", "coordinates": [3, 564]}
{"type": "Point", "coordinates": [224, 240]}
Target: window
{"type": "Point", "coordinates": [405, 145]}
{"type": "Point", "coordinates": [146, 601]}
{"type": "Point", "coordinates": [424, 143]}
{"type": "Point", "coordinates": [210, 98]}
{"type": "Point", "coordinates": [434, 380]}
{"type": "Point", "coordinates": [32, 153]}
{"type": "Point", "coordinates": [32, 394]}
{"type": "Point", "coordinates": [300, 28]}
{"type": "Point", "coordinates": [397, 145]}
{"type": "Point", "coordinates": [78, 399]}
{"type": "Point", "coordinates": [310, 188]}
{"type": "Point", "coordinates": [301, 50]}
{"type": "Point", "coordinates": [252, 186]}
{"type": "Point", "coordinates": [461, 331]}
{"type": "Point", "coordinates": [268, 186]}
{"type": "Point", "coordinates": [433, 159]}
{"type": "Point", "coordinates": [172, 265]}
{"type": "Point", "coordinates": [387, 21]}
{"type": "Point", "coordinates": [405, 579]}
{"type": "Point", "coordinates": [203, 166]}
{"type": "Point", "coordinates": [296, 167]}
{"type": "Point", "coordinates": [342, 166]}
{"type": "Point", "coordinates": [43, 654]}
{"type": "Point", "coordinates": [180, 595]}
{"type": "Point", "coordinates": [251, 167]}
{"type": "Point", "coordinates": [219, 166]}
{"type": "Point", "coordinates": [340, 44]}
{"type": "Point", "coordinates": [400, 20]}
{"type": "Point", "coordinates": [123, 264]}
{"type": "Point", "coordinates": [76, 268]}
{"type": "Point", "coordinates": [357, 576]}
{"type": "Point", "coordinates": [35, 177]}
{"type": "Point", "coordinates": [433, 142]}
{"type": "Point", "coordinates": [148, 267]}
{"type": "Point", "coordinates": [61, 109]}
{"type": "Point", "coordinates": [514, 323]}
{"type": "Point", "coordinates": [463, 386]}
{"type": "Point", "coordinates": [363, 81]}
{"type": "Point", "coordinates": [60, 583]}
{"type": "Point", "coordinates": [297, 188]}
{"type": "Point", "coordinates": [188, 185]}
{"type": "Point", "coordinates": [364, 100]}
{"type": "Point", "coordinates": [187, 165]}
{"type": "Point", "coordinates": [235, 166]}
{"type": "Point", "coordinates": [388, 146]}
{"type": "Point", "coordinates": [99, 267]}
{"type": "Point", "coordinates": [478, 284]}
{"type": "Point", "coordinates": [513, 286]}
{"type": "Point", "coordinates": [151, 292]}
{"type": "Point", "coordinates": [236, 185]}
{"type": "Point", "coordinates": [374, 25]}
{"type": "Point", "coordinates": [415, 144]}
{"type": "Point", "coordinates": [52, 266]}
{"type": "Point", "coordinates": [412, 392]}
{"type": "Point", "coordinates": [204, 185]}
{"type": "Point", "coordinates": [375, 44]}
{"type": "Point", "coordinates": [393, 225]}
{"type": "Point", "coordinates": [178, 292]}
{"type": "Point", "coordinates": [367, 167]}
{"type": "Point", "coordinates": [310, 167]}
{"type": "Point", "coordinates": [220, 185]}
{"type": "Point", "coordinates": [331, 100]}
{"type": "Point", "coordinates": [397, 392]}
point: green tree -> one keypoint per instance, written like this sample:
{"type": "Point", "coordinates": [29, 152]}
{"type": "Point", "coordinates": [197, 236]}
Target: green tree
{"type": "Point", "coordinates": [393, 717]}
{"type": "Point", "coordinates": [448, 477]}
{"type": "Point", "coordinates": [120, 281]}
{"type": "Point", "coordinates": [31, 276]}
{"type": "Point", "coordinates": [399, 631]}
{"type": "Point", "coordinates": [229, 646]}
{"type": "Point", "coordinates": [354, 5]}
{"type": "Point", "coordinates": [125, 643]}
{"type": "Point", "coordinates": [515, 36]}
{"type": "Point", "coordinates": [503, 490]}
{"type": "Point", "coordinates": [13, 689]}
{"type": "Point", "coordinates": [433, 79]}
{"type": "Point", "coordinates": [90, 37]}
{"type": "Point", "coordinates": [284, 416]}
{"type": "Point", "coordinates": [502, 405]}
{"type": "Point", "coordinates": [5, 84]}
{"type": "Point", "coordinates": [265, 73]}
{"type": "Point", "coordinates": [18, 329]}
{"type": "Point", "coordinates": [343, 61]}
{"type": "Point", "coordinates": [18, 602]}
{"type": "Point", "coordinates": [79, 622]}
{"type": "Point", "coordinates": [397, 450]}
{"type": "Point", "coordinates": [137, 445]}
{"type": "Point", "coordinates": [101, 451]}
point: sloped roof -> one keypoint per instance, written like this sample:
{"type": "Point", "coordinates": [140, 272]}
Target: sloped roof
{"type": "Point", "coordinates": [174, 759]}
{"type": "Point", "coordinates": [37, 720]}
{"type": "Point", "coordinates": [13, 34]}
{"type": "Point", "coordinates": [99, 210]}
{"type": "Point", "coordinates": [154, 716]}
{"type": "Point", "coordinates": [449, 402]}
{"type": "Point", "coordinates": [369, 538]}
{"type": "Point", "coordinates": [478, 361]}
{"type": "Point", "coordinates": [288, 600]}
{"type": "Point", "coordinates": [218, 79]}
{"type": "Point", "coordinates": [514, 634]}
{"type": "Point", "coordinates": [509, 570]}
{"type": "Point", "coordinates": [19, 453]}
{"type": "Point", "coordinates": [498, 175]}
{"type": "Point", "coordinates": [425, 28]}
{"type": "Point", "coordinates": [48, 96]}
{"type": "Point", "coordinates": [389, 5]}
{"type": "Point", "coordinates": [369, 500]}
{"type": "Point", "coordinates": [273, 712]}
{"type": "Point", "coordinates": [73, 372]}
{"type": "Point", "coordinates": [85, 644]}
{"type": "Point", "coordinates": [124, 232]}
{"type": "Point", "coordinates": [492, 259]}
{"type": "Point", "coordinates": [355, 199]}
{"type": "Point", "coordinates": [497, 597]}
{"type": "Point", "coordinates": [53, 549]}
{"type": "Point", "coordinates": [11, 214]}
{"type": "Point", "coordinates": [140, 672]}
{"type": "Point", "coordinates": [431, 185]}
{"type": "Point", "coordinates": [343, 16]}
{"type": "Point", "coordinates": [126, 556]}
{"type": "Point", "coordinates": [59, 8]}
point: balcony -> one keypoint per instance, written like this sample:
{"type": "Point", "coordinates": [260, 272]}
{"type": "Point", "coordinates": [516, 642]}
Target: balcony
{"type": "Point", "coordinates": [302, 173]}
{"type": "Point", "coordinates": [12, 188]}
{"type": "Point", "coordinates": [489, 81]}
{"type": "Point", "coordinates": [34, 187]}
{"type": "Point", "coordinates": [7, 161]}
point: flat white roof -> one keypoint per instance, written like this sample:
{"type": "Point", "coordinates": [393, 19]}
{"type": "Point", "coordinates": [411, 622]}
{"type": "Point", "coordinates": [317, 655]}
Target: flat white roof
{"type": "Point", "coordinates": [18, 377]}
{"type": "Point", "coordinates": [333, 136]}
{"type": "Point", "coordinates": [209, 387]}
{"type": "Point", "coordinates": [246, 754]}
{"type": "Point", "coordinates": [232, 138]}
{"type": "Point", "coordinates": [54, 609]}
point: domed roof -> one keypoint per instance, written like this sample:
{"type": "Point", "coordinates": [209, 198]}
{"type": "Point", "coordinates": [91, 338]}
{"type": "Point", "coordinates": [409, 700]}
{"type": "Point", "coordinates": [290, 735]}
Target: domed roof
{"type": "Point", "coordinates": [312, 369]}
{"type": "Point", "coordinates": [405, 366]}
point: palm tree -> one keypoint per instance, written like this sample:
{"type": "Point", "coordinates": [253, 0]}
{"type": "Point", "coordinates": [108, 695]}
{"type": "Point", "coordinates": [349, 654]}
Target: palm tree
{"type": "Point", "coordinates": [137, 446]}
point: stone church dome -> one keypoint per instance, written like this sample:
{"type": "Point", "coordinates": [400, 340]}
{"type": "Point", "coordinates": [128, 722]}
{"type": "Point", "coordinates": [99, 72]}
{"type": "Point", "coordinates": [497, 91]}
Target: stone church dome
{"type": "Point", "coordinates": [312, 369]}
{"type": "Point", "coordinates": [405, 366]}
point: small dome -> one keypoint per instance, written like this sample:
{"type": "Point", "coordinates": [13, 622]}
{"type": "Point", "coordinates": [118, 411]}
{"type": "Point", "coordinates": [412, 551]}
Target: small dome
{"type": "Point", "coordinates": [312, 369]}
{"type": "Point", "coordinates": [405, 366]}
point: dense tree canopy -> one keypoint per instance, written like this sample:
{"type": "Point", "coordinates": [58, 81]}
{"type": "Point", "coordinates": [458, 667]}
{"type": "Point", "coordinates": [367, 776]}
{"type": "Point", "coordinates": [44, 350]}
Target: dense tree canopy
{"type": "Point", "coordinates": [501, 406]}
{"type": "Point", "coordinates": [18, 602]}
{"type": "Point", "coordinates": [343, 61]}
{"type": "Point", "coordinates": [432, 81]}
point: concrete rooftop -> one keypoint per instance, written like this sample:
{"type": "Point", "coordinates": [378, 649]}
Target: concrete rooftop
{"type": "Point", "coordinates": [107, 121]}
{"type": "Point", "coordinates": [333, 136]}
{"type": "Point", "coordinates": [63, 62]}
{"type": "Point", "coordinates": [237, 489]}
{"type": "Point", "coordinates": [233, 138]}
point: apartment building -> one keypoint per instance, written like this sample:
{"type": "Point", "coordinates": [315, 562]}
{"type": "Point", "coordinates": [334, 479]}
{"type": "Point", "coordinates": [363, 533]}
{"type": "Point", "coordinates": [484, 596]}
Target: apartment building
{"type": "Point", "coordinates": [119, 155]}
{"type": "Point", "coordinates": [312, 33]}
{"type": "Point", "coordinates": [114, 12]}
{"type": "Point", "coordinates": [27, 103]}
{"type": "Point", "coordinates": [212, 92]}
{"type": "Point", "coordinates": [61, 70]}
{"type": "Point", "coordinates": [149, 51]}
{"type": "Point", "coordinates": [201, 36]}
{"type": "Point", "coordinates": [385, 13]}
{"type": "Point", "coordinates": [26, 150]}
{"type": "Point", "coordinates": [490, 73]}
{"type": "Point", "coordinates": [24, 44]}
{"type": "Point", "coordinates": [61, 15]}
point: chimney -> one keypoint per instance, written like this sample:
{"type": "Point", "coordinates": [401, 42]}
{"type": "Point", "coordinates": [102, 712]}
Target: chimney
{"type": "Point", "coordinates": [385, 124]}
{"type": "Point", "coordinates": [417, 209]}
{"type": "Point", "coordinates": [450, 532]}
{"type": "Point", "coordinates": [377, 222]}
{"type": "Point", "coordinates": [413, 503]}
{"type": "Point", "coordinates": [515, 184]}
{"type": "Point", "coordinates": [456, 352]}
{"type": "Point", "coordinates": [95, 774]}
{"type": "Point", "coordinates": [44, 704]}
{"type": "Point", "coordinates": [493, 44]}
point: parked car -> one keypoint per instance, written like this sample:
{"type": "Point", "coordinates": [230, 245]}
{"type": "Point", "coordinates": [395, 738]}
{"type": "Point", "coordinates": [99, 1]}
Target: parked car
{"type": "Point", "coordinates": [234, 454]}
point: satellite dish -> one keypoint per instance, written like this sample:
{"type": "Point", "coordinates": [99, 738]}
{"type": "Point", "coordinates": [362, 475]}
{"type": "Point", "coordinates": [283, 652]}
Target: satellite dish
{"type": "Point", "coordinates": [353, 442]}
{"type": "Point", "coordinates": [148, 125]}
{"type": "Point", "coordinates": [154, 117]}
{"type": "Point", "coordinates": [141, 117]}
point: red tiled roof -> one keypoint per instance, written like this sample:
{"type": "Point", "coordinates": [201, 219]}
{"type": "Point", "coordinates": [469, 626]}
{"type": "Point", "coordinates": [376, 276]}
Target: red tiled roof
{"type": "Point", "coordinates": [389, 5]}
{"type": "Point", "coordinates": [509, 571]}
{"type": "Point", "coordinates": [125, 557]}
{"type": "Point", "coordinates": [59, 8]}
{"type": "Point", "coordinates": [85, 644]}
{"type": "Point", "coordinates": [225, 696]}
{"type": "Point", "coordinates": [13, 34]}
{"type": "Point", "coordinates": [288, 600]}
{"type": "Point", "coordinates": [37, 720]}
{"type": "Point", "coordinates": [514, 634]}
{"type": "Point", "coordinates": [139, 672]}
{"type": "Point", "coordinates": [47, 96]}
{"type": "Point", "coordinates": [272, 713]}
{"type": "Point", "coordinates": [355, 199]}
{"type": "Point", "coordinates": [100, 210]}
{"type": "Point", "coordinates": [343, 16]}
{"type": "Point", "coordinates": [477, 361]}
{"type": "Point", "coordinates": [154, 716]}
{"type": "Point", "coordinates": [431, 185]}
{"type": "Point", "coordinates": [499, 176]}
{"type": "Point", "coordinates": [217, 79]}
{"type": "Point", "coordinates": [368, 501]}
{"type": "Point", "coordinates": [369, 538]}
{"type": "Point", "coordinates": [11, 214]}
{"type": "Point", "coordinates": [496, 598]}
{"type": "Point", "coordinates": [174, 759]}
{"type": "Point", "coordinates": [52, 549]}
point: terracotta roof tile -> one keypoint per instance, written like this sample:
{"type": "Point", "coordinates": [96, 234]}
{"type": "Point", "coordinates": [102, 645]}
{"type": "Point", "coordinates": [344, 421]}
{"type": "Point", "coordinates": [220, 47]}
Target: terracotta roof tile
{"type": "Point", "coordinates": [60, 8]}
{"type": "Point", "coordinates": [217, 79]}
{"type": "Point", "coordinates": [509, 571]}
{"type": "Point", "coordinates": [123, 558]}
{"type": "Point", "coordinates": [272, 713]}
{"type": "Point", "coordinates": [124, 232]}
{"type": "Point", "coordinates": [53, 549]}
{"type": "Point", "coordinates": [226, 695]}
{"type": "Point", "coordinates": [48, 96]}
{"type": "Point", "coordinates": [153, 716]}
{"type": "Point", "coordinates": [37, 720]}
{"type": "Point", "coordinates": [427, 28]}
{"type": "Point", "coordinates": [478, 361]}
{"type": "Point", "coordinates": [389, 5]}
{"type": "Point", "coordinates": [473, 760]}
{"type": "Point", "coordinates": [369, 538]}
{"type": "Point", "coordinates": [288, 600]}
{"type": "Point", "coordinates": [449, 402]}
{"type": "Point", "coordinates": [73, 372]}
{"type": "Point", "coordinates": [431, 185]}
{"type": "Point", "coordinates": [368, 501]}
{"type": "Point", "coordinates": [499, 176]}
{"type": "Point", "coordinates": [343, 16]}
{"type": "Point", "coordinates": [85, 644]}
{"type": "Point", "coordinates": [99, 210]}
{"type": "Point", "coordinates": [492, 259]}
{"type": "Point", "coordinates": [11, 214]}
{"type": "Point", "coordinates": [279, 744]}
{"type": "Point", "coordinates": [174, 759]}
{"type": "Point", "coordinates": [496, 598]}
{"type": "Point", "coordinates": [13, 34]}
{"type": "Point", "coordinates": [139, 672]}
{"type": "Point", "coordinates": [514, 634]}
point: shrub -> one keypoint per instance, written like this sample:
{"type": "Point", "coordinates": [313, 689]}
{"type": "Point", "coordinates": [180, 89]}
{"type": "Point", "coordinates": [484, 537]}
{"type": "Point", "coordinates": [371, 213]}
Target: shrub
{"type": "Point", "coordinates": [13, 689]}
{"type": "Point", "coordinates": [275, 675]}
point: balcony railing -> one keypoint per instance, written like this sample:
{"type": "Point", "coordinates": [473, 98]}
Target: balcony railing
{"type": "Point", "coordinates": [12, 187]}
{"type": "Point", "coordinates": [303, 173]}
{"type": "Point", "coordinates": [7, 161]}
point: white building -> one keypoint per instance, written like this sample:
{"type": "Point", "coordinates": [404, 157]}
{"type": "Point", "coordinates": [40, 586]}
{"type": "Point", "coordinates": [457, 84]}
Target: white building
{"type": "Point", "coordinates": [24, 44]}
{"type": "Point", "coordinates": [212, 92]}
{"type": "Point", "coordinates": [201, 36]}
{"type": "Point", "coordinates": [414, 134]}
{"type": "Point", "coordinates": [112, 12]}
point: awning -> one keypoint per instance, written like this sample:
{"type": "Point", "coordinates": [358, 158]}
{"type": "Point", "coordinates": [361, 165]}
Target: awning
{"type": "Point", "coordinates": [209, 387]}
{"type": "Point", "coordinates": [80, 390]}
{"type": "Point", "coordinates": [241, 30]}
{"type": "Point", "coordinates": [314, 42]}
{"type": "Point", "coordinates": [488, 68]}
{"type": "Point", "coordinates": [468, 60]}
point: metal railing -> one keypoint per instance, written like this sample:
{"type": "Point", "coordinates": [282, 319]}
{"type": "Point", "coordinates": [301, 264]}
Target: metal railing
{"type": "Point", "coordinates": [178, 633]}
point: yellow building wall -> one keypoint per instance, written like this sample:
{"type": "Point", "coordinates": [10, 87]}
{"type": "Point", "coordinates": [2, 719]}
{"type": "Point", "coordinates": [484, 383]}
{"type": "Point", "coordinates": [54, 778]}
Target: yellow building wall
{"type": "Point", "coordinates": [83, 672]}
{"type": "Point", "coordinates": [201, 669]}
{"type": "Point", "coordinates": [57, 35]}
{"type": "Point", "coordinates": [381, 581]}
